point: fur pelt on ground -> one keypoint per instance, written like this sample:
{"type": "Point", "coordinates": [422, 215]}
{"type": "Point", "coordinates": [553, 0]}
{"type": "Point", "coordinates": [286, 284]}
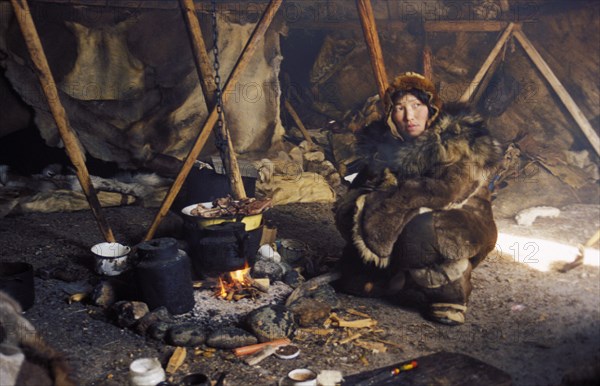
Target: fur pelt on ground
{"type": "Point", "coordinates": [25, 358]}
{"type": "Point", "coordinates": [52, 191]}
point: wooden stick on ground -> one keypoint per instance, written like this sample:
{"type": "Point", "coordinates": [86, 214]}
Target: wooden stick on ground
{"type": "Point", "coordinates": [247, 350]}
{"type": "Point", "coordinates": [560, 90]}
{"type": "Point", "coordinates": [311, 284]}
{"type": "Point", "coordinates": [242, 62]}
{"type": "Point", "coordinates": [486, 65]}
{"type": "Point", "coordinates": [367, 20]}
{"type": "Point", "coordinates": [581, 253]}
{"type": "Point", "coordinates": [72, 144]}
{"type": "Point", "coordinates": [260, 355]}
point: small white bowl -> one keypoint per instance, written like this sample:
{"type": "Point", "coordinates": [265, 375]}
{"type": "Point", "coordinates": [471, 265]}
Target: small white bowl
{"type": "Point", "coordinates": [289, 351]}
{"type": "Point", "coordinates": [111, 258]}
{"type": "Point", "coordinates": [302, 377]}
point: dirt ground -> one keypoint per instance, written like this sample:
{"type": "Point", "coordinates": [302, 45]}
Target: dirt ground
{"type": "Point", "coordinates": [535, 325]}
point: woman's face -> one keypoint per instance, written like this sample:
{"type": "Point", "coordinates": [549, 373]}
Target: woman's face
{"type": "Point", "coordinates": [410, 116]}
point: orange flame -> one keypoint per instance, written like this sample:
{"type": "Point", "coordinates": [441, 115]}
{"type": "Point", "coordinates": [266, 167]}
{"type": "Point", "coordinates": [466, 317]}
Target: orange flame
{"type": "Point", "coordinates": [236, 280]}
{"type": "Point", "coordinates": [241, 275]}
{"type": "Point", "coordinates": [222, 290]}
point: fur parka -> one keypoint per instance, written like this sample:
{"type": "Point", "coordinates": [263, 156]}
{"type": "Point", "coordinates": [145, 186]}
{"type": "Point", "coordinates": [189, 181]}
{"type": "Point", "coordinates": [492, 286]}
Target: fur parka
{"type": "Point", "coordinates": [445, 171]}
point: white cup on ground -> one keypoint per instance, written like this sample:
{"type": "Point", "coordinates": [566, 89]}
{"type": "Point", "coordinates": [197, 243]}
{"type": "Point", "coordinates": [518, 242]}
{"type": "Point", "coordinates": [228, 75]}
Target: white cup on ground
{"type": "Point", "coordinates": [111, 259]}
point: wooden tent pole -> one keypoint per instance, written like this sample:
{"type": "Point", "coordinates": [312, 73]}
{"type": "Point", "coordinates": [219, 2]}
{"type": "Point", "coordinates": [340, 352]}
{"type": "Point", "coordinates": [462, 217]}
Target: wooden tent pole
{"type": "Point", "coordinates": [560, 90]}
{"type": "Point", "coordinates": [427, 63]}
{"type": "Point", "coordinates": [201, 59]}
{"type": "Point", "coordinates": [367, 20]}
{"type": "Point", "coordinates": [296, 118]}
{"type": "Point", "coordinates": [486, 65]}
{"type": "Point", "coordinates": [231, 166]}
{"type": "Point", "coordinates": [242, 62]}
{"type": "Point", "coordinates": [72, 145]}
{"type": "Point", "coordinates": [209, 87]}
{"type": "Point", "coordinates": [465, 26]}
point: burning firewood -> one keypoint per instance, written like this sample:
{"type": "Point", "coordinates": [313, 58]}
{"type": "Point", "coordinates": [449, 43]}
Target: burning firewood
{"type": "Point", "coordinates": [197, 284]}
{"type": "Point", "coordinates": [238, 285]}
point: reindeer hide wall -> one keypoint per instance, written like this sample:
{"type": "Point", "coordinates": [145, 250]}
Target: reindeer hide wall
{"type": "Point", "coordinates": [129, 85]}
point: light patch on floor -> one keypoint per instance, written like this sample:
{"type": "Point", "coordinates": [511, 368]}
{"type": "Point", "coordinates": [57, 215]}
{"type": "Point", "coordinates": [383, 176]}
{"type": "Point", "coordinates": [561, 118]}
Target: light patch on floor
{"type": "Point", "coordinates": [543, 255]}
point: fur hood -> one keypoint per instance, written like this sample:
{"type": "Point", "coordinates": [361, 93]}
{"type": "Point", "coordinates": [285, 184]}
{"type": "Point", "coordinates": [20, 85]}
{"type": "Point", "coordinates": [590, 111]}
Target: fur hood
{"type": "Point", "coordinates": [412, 81]}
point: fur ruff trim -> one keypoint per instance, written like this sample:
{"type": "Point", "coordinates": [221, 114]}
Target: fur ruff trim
{"type": "Point", "coordinates": [367, 254]}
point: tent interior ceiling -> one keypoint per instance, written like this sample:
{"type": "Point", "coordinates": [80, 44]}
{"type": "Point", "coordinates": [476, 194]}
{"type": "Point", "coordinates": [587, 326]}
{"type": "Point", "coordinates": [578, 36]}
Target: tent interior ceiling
{"type": "Point", "coordinates": [132, 93]}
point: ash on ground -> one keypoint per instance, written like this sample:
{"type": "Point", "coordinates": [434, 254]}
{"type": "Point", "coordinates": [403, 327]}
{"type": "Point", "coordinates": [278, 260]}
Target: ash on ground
{"type": "Point", "coordinates": [213, 312]}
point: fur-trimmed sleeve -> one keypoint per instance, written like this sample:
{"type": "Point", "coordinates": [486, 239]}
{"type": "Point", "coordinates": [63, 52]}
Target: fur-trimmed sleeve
{"type": "Point", "coordinates": [375, 146]}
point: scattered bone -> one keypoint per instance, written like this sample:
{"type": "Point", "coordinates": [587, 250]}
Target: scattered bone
{"type": "Point", "coordinates": [389, 343]}
{"type": "Point", "coordinates": [317, 331]}
{"type": "Point", "coordinates": [336, 321]}
{"type": "Point", "coordinates": [375, 347]}
{"type": "Point", "coordinates": [350, 338]}
{"type": "Point", "coordinates": [176, 360]}
{"type": "Point", "coordinates": [352, 311]}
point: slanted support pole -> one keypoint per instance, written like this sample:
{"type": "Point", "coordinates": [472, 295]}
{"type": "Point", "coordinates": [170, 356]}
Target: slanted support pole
{"type": "Point", "coordinates": [72, 145]}
{"type": "Point", "coordinates": [367, 21]}
{"type": "Point", "coordinates": [486, 65]}
{"type": "Point", "coordinates": [201, 59]}
{"type": "Point", "coordinates": [244, 58]}
{"type": "Point", "coordinates": [427, 63]}
{"type": "Point", "coordinates": [560, 90]}
{"type": "Point", "coordinates": [209, 87]}
{"type": "Point", "coordinates": [290, 109]}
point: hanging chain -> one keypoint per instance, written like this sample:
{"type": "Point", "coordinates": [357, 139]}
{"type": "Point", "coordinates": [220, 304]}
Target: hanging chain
{"type": "Point", "coordinates": [221, 140]}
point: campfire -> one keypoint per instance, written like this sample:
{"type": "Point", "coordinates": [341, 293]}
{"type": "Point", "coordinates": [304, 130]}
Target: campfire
{"type": "Point", "coordinates": [238, 285]}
